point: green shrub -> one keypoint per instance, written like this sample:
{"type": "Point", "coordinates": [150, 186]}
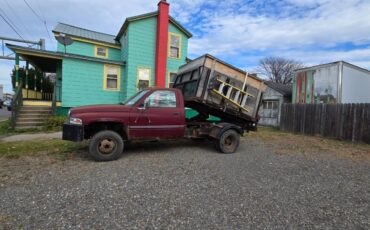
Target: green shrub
{"type": "Point", "coordinates": [5, 127]}
{"type": "Point", "coordinates": [54, 122]}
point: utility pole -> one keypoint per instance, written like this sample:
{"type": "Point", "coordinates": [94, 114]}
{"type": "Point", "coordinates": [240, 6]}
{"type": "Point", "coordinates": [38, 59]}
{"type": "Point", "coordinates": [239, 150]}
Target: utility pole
{"type": "Point", "coordinates": [40, 43]}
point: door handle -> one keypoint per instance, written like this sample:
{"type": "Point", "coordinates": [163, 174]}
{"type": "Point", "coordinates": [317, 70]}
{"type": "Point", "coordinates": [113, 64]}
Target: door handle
{"type": "Point", "coordinates": [176, 113]}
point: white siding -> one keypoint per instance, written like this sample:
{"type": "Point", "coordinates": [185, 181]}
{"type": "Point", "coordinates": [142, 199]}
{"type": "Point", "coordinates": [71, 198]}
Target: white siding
{"type": "Point", "coordinates": [355, 85]}
{"type": "Point", "coordinates": [326, 84]}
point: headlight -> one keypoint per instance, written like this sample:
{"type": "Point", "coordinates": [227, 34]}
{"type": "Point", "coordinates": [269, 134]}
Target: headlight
{"type": "Point", "coordinates": [75, 121]}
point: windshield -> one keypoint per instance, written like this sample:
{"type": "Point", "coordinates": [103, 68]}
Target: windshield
{"type": "Point", "coordinates": [132, 100]}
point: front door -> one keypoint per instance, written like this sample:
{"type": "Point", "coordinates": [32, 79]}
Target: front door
{"type": "Point", "coordinates": [159, 116]}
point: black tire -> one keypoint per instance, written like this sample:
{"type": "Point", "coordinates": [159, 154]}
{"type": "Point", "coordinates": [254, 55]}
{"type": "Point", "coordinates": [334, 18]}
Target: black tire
{"type": "Point", "coordinates": [9, 109]}
{"type": "Point", "coordinates": [228, 142]}
{"type": "Point", "coordinates": [106, 146]}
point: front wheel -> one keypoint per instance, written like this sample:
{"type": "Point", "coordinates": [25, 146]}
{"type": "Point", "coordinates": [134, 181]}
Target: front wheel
{"type": "Point", "coordinates": [106, 146]}
{"type": "Point", "coordinates": [228, 142]}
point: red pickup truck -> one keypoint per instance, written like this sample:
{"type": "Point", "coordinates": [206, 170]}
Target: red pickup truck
{"type": "Point", "coordinates": [206, 85]}
{"type": "Point", "coordinates": [153, 114]}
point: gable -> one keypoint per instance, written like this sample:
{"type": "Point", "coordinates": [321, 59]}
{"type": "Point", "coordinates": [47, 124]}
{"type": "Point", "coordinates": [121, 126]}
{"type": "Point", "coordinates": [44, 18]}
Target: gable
{"type": "Point", "coordinates": [149, 15]}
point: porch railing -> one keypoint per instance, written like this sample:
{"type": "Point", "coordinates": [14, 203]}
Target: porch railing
{"type": "Point", "coordinates": [16, 104]}
{"type": "Point", "coordinates": [36, 95]}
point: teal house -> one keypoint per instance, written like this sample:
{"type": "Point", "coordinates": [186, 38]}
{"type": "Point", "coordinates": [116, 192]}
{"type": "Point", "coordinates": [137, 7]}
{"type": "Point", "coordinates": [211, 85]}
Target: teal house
{"type": "Point", "coordinates": [99, 68]}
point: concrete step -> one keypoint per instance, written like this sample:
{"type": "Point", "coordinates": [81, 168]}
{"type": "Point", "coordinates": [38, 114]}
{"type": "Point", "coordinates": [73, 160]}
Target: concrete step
{"type": "Point", "coordinates": [29, 123]}
{"type": "Point", "coordinates": [27, 126]}
{"type": "Point", "coordinates": [34, 112]}
{"type": "Point", "coordinates": [31, 119]}
{"type": "Point", "coordinates": [37, 108]}
{"type": "Point", "coordinates": [34, 115]}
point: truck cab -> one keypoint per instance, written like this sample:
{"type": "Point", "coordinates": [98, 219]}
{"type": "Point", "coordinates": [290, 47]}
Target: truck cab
{"type": "Point", "coordinates": [149, 114]}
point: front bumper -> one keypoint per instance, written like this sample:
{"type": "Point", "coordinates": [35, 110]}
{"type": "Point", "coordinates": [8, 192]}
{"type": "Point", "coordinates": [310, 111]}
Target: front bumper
{"type": "Point", "coordinates": [73, 132]}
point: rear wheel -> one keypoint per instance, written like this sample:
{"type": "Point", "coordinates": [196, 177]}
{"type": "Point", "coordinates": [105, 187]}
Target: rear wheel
{"type": "Point", "coordinates": [228, 142]}
{"type": "Point", "coordinates": [106, 146]}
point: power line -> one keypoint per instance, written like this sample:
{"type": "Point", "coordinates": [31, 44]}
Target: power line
{"type": "Point", "coordinates": [20, 18]}
{"type": "Point", "coordinates": [11, 27]}
{"type": "Point", "coordinates": [33, 10]}
{"type": "Point", "coordinates": [9, 20]}
{"type": "Point", "coordinates": [39, 17]}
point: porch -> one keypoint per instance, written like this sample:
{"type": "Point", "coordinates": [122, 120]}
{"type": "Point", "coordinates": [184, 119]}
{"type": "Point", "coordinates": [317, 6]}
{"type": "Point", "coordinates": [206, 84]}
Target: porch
{"type": "Point", "coordinates": [37, 92]}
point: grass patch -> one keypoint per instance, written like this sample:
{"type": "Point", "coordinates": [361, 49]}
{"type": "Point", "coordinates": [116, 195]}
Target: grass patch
{"type": "Point", "coordinates": [58, 148]}
{"type": "Point", "coordinates": [288, 143]}
{"type": "Point", "coordinates": [52, 124]}
{"type": "Point", "coordinates": [5, 127]}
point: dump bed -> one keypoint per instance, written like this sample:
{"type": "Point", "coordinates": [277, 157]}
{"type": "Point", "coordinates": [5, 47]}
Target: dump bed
{"type": "Point", "coordinates": [213, 87]}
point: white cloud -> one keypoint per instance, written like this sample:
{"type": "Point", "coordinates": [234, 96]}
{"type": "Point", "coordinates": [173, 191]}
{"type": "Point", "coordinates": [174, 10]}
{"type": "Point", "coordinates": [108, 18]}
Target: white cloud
{"type": "Point", "coordinates": [324, 26]}
{"type": "Point", "coordinates": [238, 31]}
{"type": "Point", "coordinates": [104, 16]}
{"type": "Point", "coordinates": [360, 57]}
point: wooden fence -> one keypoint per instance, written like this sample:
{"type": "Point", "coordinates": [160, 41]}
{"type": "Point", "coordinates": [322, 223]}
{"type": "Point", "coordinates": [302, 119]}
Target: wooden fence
{"type": "Point", "coordinates": [341, 121]}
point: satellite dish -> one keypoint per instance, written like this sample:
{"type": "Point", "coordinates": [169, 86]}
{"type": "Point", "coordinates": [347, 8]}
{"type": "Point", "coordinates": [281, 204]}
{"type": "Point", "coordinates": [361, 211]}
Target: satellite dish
{"type": "Point", "coordinates": [64, 40]}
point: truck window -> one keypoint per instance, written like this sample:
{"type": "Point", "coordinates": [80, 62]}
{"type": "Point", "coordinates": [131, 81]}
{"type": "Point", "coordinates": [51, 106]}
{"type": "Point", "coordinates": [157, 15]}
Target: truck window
{"type": "Point", "coordinates": [161, 99]}
{"type": "Point", "coordinates": [132, 100]}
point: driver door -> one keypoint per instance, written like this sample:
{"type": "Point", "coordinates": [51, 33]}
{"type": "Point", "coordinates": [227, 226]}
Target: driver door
{"type": "Point", "coordinates": [159, 117]}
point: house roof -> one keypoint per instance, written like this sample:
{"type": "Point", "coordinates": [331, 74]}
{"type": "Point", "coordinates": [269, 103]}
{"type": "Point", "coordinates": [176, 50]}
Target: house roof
{"type": "Point", "coordinates": [45, 54]}
{"type": "Point", "coordinates": [285, 90]}
{"type": "Point", "coordinates": [332, 63]}
{"type": "Point", "coordinates": [85, 33]}
{"type": "Point", "coordinates": [149, 15]}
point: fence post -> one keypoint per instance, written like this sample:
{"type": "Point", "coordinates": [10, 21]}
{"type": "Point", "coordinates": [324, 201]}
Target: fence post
{"type": "Point", "coordinates": [354, 123]}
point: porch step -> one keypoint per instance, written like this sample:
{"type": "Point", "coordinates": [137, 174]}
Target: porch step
{"type": "Point", "coordinates": [32, 116]}
{"type": "Point", "coordinates": [31, 119]}
{"type": "Point", "coordinates": [30, 123]}
{"type": "Point", "coordinates": [37, 108]}
{"type": "Point", "coordinates": [34, 112]}
{"type": "Point", "coordinates": [27, 126]}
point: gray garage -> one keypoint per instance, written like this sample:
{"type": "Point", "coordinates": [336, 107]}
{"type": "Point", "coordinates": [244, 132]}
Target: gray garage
{"type": "Point", "coordinates": [275, 95]}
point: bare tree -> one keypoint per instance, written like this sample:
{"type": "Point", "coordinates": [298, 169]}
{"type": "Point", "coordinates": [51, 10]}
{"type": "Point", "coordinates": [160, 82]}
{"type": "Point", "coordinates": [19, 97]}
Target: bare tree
{"type": "Point", "coordinates": [279, 69]}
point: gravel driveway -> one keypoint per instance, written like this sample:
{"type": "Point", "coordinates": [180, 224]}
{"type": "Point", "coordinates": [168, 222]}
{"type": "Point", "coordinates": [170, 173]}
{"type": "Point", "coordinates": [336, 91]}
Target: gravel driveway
{"type": "Point", "coordinates": [185, 185]}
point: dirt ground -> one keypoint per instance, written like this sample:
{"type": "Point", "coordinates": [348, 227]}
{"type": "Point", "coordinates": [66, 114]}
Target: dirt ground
{"type": "Point", "coordinates": [287, 143]}
{"type": "Point", "coordinates": [275, 180]}
{"type": "Point", "coordinates": [18, 169]}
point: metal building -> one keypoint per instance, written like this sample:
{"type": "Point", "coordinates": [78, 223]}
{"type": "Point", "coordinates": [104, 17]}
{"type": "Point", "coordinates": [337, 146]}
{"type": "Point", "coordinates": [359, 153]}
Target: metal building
{"type": "Point", "coordinates": [336, 82]}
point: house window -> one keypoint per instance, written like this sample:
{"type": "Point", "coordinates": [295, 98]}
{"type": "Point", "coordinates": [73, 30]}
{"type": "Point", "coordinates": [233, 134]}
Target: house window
{"type": "Point", "coordinates": [270, 109]}
{"type": "Point", "coordinates": [171, 79]}
{"type": "Point", "coordinates": [112, 77]}
{"type": "Point", "coordinates": [101, 52]}
{"type": "Point", "coordinates": [174, 45]}
{"type": "Point", "coordinates": [143, 78]}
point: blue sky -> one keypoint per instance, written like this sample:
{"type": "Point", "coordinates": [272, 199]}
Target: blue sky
{"type": "Point", "coordinates": [240, 32]}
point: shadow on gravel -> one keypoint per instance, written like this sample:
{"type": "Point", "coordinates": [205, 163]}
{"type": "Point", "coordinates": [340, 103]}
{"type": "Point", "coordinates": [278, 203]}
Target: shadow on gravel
{"type": "Point", "coordinates": [149, 147]}
{"type": "Point", "coordinates": [165, 146]}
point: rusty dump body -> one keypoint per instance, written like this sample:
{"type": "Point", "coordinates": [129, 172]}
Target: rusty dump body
{"type": "Point", "coordinates": [213, 87]}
